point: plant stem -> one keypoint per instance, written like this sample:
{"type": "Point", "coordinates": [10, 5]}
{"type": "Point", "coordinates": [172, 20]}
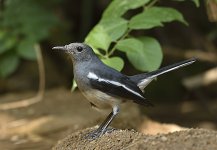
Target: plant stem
{"type": "Point", "coordinates": [41, 90]}
{"type": "Point", "coordinates": [151, 4]}
{"type": "Point", "coordinates": [114, 47]}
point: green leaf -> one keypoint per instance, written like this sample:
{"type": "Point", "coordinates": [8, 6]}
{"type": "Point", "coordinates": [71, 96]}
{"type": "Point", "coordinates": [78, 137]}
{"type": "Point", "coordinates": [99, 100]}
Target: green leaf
{"type": "Point", "coordinates": [2, 34]}
{"type": "Point", "coordinates": [7, 44]}
{"type": "Point", "coordinates": [118, 7]}
{"type": "Point", "coordinates": [32, 19]}
{"type": "Point", "coordinates": [115, 27]}
{"type": "Point", "coordinates": [96, 51]}
{"type": "Point", "coordinates": [8, 64]}
{"type": "Point", "coordinates": [196, 2]}
{"type": "Point", "coordinates": [155, 16]}
{"type": "Point", "coordinates": [6, 41]}
{"type": "Point", "coordinates": [144, 53]}
{"type": "Point", "coordinates": [130, 44]}
{"type": "Point", "coordinates": [114, 62]}
{"type": "Point", "coordinates": [153, 51]}
{"type": "Point", "coordinates": [98, 38]}
{"type": "Point", "coordinates": [74, 85]}
{"type": "Point", "coordinates": [26, 49]}
{"type": "Point", "coordinates": [179, 0]}
{"type": "Point", "coordinates": [134, 51]}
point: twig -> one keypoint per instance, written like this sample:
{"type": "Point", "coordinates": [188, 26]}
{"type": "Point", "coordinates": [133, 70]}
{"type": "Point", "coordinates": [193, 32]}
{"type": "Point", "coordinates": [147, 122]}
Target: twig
{"type": "Point", "coordinates": [211, 7]}
{"type": "Point", "coordinates": [41, 90]}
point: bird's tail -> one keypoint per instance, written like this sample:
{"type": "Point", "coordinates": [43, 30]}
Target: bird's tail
{"type": "Point", "coordinates": [144, 79]}
{"type": "Point", "coordinates": [169, 68]}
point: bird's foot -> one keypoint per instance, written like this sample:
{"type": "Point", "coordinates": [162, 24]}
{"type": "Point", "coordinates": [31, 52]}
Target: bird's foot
{"type": "Point", "coordinates": [97, 133]}
{"type": "Point", "coordinates": [94, 135]}
{"type": "Point", "coordinates": [109, 130]}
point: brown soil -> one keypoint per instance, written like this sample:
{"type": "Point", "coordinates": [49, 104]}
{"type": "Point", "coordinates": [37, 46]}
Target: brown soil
{"type": "Point", "coordinates": [190, 139]}
{"type": "Point", "coordinates": [62, 113]}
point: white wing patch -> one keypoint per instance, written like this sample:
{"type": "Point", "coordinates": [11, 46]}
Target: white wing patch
{"type": "Point", "coordinates": [93, 76]}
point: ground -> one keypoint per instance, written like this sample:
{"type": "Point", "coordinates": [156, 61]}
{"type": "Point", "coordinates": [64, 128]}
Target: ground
{"type": "Point", "coordinates": [65, 117]}
{"type": "Point", "coordinates": [189, 139]}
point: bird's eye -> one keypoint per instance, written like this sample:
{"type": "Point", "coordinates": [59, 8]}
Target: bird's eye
{"type": "Point", "coordinates": [79, 48]}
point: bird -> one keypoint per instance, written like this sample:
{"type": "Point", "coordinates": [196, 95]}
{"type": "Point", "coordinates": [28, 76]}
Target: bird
{"type": "Point", "coordinates": [105, 87]}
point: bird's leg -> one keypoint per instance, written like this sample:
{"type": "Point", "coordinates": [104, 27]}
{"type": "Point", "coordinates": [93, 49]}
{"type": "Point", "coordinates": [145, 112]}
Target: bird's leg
{"type": "Point", "coordinates": [105, 122]}
{"type": "Point", "coordinates": [103, 127]}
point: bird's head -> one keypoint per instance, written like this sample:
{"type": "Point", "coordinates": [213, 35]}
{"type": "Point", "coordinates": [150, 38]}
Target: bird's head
{"type": "Point", "coordinates": [77, 51]}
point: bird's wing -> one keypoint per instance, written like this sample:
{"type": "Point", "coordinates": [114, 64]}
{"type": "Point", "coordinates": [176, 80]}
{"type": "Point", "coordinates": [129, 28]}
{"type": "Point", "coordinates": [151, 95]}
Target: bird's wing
{"type": "Point", "coordinates": [117, 85]}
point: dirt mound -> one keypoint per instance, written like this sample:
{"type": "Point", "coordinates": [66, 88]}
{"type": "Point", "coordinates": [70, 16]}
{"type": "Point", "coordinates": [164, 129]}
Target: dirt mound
{"type": "Point", "coordinates": [61, 113]}
{"type": "Point", "coordinates": [190, 139]}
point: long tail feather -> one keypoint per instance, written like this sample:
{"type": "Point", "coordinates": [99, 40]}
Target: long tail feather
{"type": "Point", "coordinates": [169, 68]}
{"type": "Point", "coordinates": [144, 79]}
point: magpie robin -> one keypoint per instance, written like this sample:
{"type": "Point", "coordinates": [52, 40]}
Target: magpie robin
{"type": "Point", "coordinates": [106, 88]}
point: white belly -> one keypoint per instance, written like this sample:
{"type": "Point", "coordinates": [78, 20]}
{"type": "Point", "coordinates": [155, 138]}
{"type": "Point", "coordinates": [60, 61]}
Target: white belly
{"type": "Point", "coordinates": [100, 99]}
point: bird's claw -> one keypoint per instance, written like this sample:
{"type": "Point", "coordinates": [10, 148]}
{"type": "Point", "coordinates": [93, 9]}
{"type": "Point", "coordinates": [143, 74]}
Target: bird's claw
{"type": "Point", "coordinates": [94, 135]}
{"type": "Point", "coordinates": [97, 133]}
{"type": "Point", "coordinates": [110, 130]}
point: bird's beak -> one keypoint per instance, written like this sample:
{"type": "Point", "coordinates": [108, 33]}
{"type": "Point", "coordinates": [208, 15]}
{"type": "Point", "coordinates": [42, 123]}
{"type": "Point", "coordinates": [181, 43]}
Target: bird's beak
{"type": "Point", "coordinates": [60, 48]}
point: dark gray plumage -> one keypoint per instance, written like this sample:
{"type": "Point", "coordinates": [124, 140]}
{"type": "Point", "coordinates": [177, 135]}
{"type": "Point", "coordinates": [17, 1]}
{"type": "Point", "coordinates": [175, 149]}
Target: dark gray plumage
{"type": "Point", "coordinates": [104, 86]}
